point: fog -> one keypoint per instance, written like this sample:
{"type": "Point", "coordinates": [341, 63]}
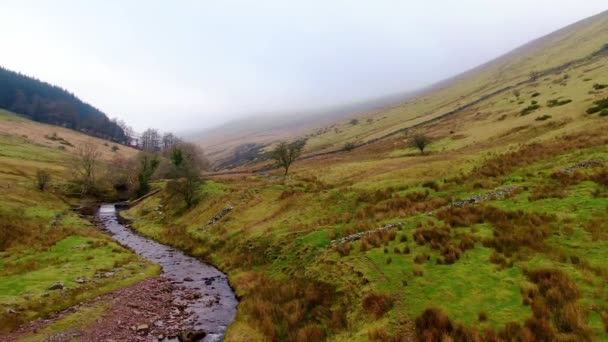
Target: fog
{"type": "Point", "coordinates": [183, 65]}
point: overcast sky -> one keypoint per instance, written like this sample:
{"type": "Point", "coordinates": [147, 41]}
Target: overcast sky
{"type": "Point", "coordinates": [191, 64]}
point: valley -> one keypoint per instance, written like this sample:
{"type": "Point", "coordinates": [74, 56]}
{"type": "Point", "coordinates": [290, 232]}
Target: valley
{"type": "Point", "coordinates": [475, 210]}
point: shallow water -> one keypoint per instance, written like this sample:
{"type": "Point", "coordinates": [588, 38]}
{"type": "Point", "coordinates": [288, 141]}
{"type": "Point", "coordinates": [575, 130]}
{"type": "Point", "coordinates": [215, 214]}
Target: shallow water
{"type": "Point", "coordinates": [216, 307]}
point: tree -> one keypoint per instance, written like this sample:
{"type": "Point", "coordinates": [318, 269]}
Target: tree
{"type": "Point", "coordinates": [148, 164]}
{"type": "Point", "coordinates": [168, 141]}
{"type": "Point", "coordinates": [86, 166]}
{"type": "Point", "coordinates": [286, 153]}
{"type": "Point", "coordinates": [150, 140]}
{"type": "Point", "coordinates": [421, 141]}
{"type": "Point", "coordinates": [187, 161]}
{"type": "Point", "coordinates": [186, 185]}
{"type": "Point", "coordinates": [43, 177]}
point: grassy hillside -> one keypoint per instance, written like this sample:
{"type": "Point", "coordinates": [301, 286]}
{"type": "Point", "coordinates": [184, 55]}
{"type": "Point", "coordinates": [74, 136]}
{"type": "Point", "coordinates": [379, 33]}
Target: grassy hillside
{"type": "Point", "coordinates": [499, 229]}
{"type": "Point", "coordinates": [43, 240]}
{"type": "Point", "coordinates": [493, 80]}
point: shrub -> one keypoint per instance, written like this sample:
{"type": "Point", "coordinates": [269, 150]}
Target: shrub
{"type": "Point", "coordinates": [547, 191]}
{"type": "Point", "coordinates": [417, 270]}
{"type": "Point", "coordinates": [557, 102]}
{"type": "Point", "coordinates": [431, 185]}
{"type": "Point", "coordinates": [349, 146]}
{"type": "Point", "coordinates": [598, 86]}
{"type": "Point", "coordinates": [543, 118]}
{"type": "Point", "coordinates": [290, 310]}
{"type": "Point", "coordinates": [433, 325]}
{"type": "Point", "coordinates": [535, 94]}
{"type": "Point", "coordinates": [377, 303]}
{"type": "Point", "coordinates": [483, 316]}
{"type": "Point", "coordinates": [43, 177]}
{"type": "Point", "coordinates": [344, 249]}
{"type": "Point", "coordinates": [530, 109]}
{"type": "Point", "coordinates": [115, 148]}
{"type": "Point", "coordinates": [598, 106]}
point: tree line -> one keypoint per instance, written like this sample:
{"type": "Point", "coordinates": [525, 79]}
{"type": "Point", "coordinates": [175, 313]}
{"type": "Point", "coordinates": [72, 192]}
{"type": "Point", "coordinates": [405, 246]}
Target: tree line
{"type": "Point", "coordinates": [47, 103]}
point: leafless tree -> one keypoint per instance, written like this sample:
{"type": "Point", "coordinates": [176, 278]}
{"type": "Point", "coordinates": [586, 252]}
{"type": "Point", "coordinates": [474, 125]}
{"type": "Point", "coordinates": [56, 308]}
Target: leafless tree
{"type": "Point", "coordinates": [85, 166]}
{"type": "Point", "coordinates": [286, 153]}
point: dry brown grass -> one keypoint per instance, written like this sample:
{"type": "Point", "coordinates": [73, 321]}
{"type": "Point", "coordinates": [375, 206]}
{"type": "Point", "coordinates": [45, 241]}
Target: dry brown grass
{"type": "Point", "coordinates": [377, 303]}
{"type": "Point", "coordinates": [36, 133]}
{"type": "Point", "coordinates": [295, 309]}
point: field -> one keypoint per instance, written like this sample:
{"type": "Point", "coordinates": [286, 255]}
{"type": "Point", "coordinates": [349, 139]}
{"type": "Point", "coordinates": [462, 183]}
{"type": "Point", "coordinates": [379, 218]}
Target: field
{"type": "Point", "coordinates": [43, 241]}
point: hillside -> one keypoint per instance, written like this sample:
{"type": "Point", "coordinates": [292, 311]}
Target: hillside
{"type": "Point", "coordinates": [45, 242]}
{"type": "Point", "coordinates": [44, 102]}
{"type": "Point", "coordinates": [546, 57]}
{"type": "Point", "coordinates": [496, 232]}
{"type": "Point", "coordinates": [241, 141]}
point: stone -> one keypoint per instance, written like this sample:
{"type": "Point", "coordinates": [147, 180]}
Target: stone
{"type": "Point", "coordinates": [80, 281]}
{"type": "Point", "coordinates": [57, 286]}
{"type": "Point", "coordinates": [192, 336]}
{"type": "Point", "coordinates": [142, 328]}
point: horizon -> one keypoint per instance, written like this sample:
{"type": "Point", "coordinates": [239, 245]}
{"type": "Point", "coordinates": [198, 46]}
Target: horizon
{"type": "Point", "coordinates": [357, 56]}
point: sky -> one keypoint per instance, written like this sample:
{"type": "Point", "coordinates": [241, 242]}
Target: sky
{"type": "Point", "coordinates": [186, 65]}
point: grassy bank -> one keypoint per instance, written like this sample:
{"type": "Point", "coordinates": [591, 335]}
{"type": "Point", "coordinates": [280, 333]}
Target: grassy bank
{"type": "Point", "coordinates": [43, 241]}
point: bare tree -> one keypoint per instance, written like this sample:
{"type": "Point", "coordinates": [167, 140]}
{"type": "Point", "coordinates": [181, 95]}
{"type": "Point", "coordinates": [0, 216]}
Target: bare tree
{"type": "Point", "coordinates": [168, 141]}
{"type": "Point", "coordinates": [421, 141]}
{"type": "Point", "coordinates": [43, 177]}
{"type": "Point", "coordinates": [86, 166]}
{"type": "Point", "coordinates": [150, 140]}
{"type": "Point", "coordinates": [286, 153]}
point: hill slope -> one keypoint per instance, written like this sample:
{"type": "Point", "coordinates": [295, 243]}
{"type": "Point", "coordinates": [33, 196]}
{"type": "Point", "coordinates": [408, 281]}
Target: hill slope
{"type": "Point", "coordinates": [496, 232]}
{"type": "Point", "coordinates": [43, 241]}
{"type": "Point", "coordinates": [547, 56]}
{"type": "Point", "coordinates": [43, 102]}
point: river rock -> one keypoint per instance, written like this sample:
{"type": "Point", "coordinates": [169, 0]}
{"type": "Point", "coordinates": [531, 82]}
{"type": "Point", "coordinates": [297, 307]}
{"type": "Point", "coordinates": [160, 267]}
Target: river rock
{"type": "Point", "coordinates": [192, 336]}
{"type": "Point", "coordinates": [57, 286]}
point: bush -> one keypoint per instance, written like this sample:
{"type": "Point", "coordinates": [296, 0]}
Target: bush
{"type": "Point", "coordinates": [433, 325]}
{"type": "Point", "coordinates": [543, 118]}
{"type": "Point", "coordinates": [557, 102]}
{"type": "Point", "coordinates": [483, 316]}
{"type": "Point", "coordinates": [600, 105]}
{"type": "Point", "coordinates": [377, 303]}
{"type": "Point", "coordinates": [344, 249]}
{"type": "Point", "coordinates": [530, 109]}
{"type": "Point", "coordinates": [349, 146]}
{"type": "Point", "coordinates": [43, 177]}
{"type": "Point", "coordinates": [290, 310]}
{"type": "Point", "coordinates": [431, 185]}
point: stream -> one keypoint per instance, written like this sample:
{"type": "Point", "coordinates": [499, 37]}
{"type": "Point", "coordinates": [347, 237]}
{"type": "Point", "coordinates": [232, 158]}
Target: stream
{"type": "Point", "coordinates": [216, 307]}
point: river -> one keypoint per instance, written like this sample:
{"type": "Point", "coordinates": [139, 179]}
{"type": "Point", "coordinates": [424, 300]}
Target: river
{"type": "Point", "coordinates": [216, 307]}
